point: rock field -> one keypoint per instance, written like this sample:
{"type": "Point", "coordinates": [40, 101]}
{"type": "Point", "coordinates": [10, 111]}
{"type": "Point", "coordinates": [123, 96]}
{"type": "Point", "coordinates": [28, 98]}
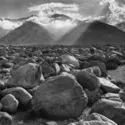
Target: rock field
{"type": "Point", "coordinates": [62, 85]}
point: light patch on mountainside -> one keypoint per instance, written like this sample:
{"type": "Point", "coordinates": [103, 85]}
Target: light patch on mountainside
{"type": "Point", "coordinates": [59, 28]}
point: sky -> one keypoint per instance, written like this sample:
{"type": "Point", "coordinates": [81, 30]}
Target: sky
{"type": "Point", "coordinates": [16, 8]}
{"type": "Point", "coordinates": [19, 8]}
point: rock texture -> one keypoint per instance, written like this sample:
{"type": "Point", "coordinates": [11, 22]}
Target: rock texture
{"type": "Point", "coordinates": [27, 76]}
{"type": "Point", "coordinates": [60, 97]}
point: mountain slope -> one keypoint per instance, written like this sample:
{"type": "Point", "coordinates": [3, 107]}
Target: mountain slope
{"type": "Point", "coordinates": [93, 33]}
{"type": "Point", "coordinates": [121, 26]}
{"type": "Point", "coordinates": [29, 33]}
{"type": "Point", "coordinates": [3, 32]}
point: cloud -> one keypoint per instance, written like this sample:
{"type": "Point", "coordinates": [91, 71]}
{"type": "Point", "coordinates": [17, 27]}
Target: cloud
{"type": "Point", "coordinates": [8, 25]}
{"type": "Point", "coordinates": [71, 10]}
{"type": "Point", "coordinates": [117, 12]}
{"type": "Point", "coordinates": [57, 27]}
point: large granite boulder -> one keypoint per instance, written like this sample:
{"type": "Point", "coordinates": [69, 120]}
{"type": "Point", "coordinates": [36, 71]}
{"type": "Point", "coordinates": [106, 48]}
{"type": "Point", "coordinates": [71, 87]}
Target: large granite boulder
{"type": "Point", "coordinates": [95, 70]}
{"type": "Point", "coordinates": [99, 117]}
{"type": "Point", "coordinates": [47, 70]}
{"type": "Point", "coordinates": [88, 80]}
{"type": "Point", "coordinates": [118, 75]}
{"type": "Point", "coordinates": [60, 97]}
{"type": "Point", "coordinates": [95, 119]}
{"type": "Point", "coordinates": [113, 110]}
{"type": "Point", "coordinates": [27, 76]}
{"type": "Point", "coordinates": [108, 86]}
{"type": "Point", "coordinates": [101, 65]}
{"type": "Point", "coordinates": [68, 59]}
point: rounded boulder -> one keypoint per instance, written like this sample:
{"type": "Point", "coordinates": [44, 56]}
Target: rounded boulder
{"type": "Point", "coordinates": [9, 103]}
{"type": "Point", "coordinates": [60, 97]}
{"type": "Point", "coordinates": [27, 76]}
{"type": "Point", "coordinates": [88, 80]}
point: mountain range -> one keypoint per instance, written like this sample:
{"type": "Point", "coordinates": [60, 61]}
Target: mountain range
{"type": "Point", "coordinates": [95, 32]}
{"type": "Point", "coordinates": [29, 33]}
{"type": "Point", "coordinates": [86, 32]}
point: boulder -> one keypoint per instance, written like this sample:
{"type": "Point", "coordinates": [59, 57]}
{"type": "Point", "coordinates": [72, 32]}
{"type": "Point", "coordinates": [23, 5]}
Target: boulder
{"type": "Point", "coordinates": [113, 110]}
{"type": "Point", "coordinates": [75, 72]}
{"type": "Point", "coordinates": [9, 103]}
{"type": "Point", "coordinates": [93, 96]}
{"type": "Point", "coordinates": [32, 91]}
{"type": "Point", "coordinates": [52, 123]}
{"type": "Point", "coordinates": [56, 68]}
{"type": "Point", "coordinates": [112, 63]}
{"type": "Point", "coordinates": [117, 53]}
{"type": "Point", "coordinates": [118, 75]}
{"type": "Point", "coordinates": [68, 59]}
{"type": "Point", "coordinates": [65, 68]}
{"type": "Point", "coordinates": [2, 85]}
{"type": "Point", "coordinates": [3, 60]}
{"type": "Point", "coordinates": [122, 94]}
{"type": "Point", "coordinates": [95, 119]}
{"type": "Point", "coordinates": [30, 60]}
{"type": "Point", "coordinates": [4, 71]}
{"type": "Point", "coordinates": [108, 86]}
{"type": "Point", "coordinates": [18, 59]}
{"type": "Point", "coordinates": [111, 66]}
{"type": "Point", "coordinates": [60, 97]}
{"type": "Point", "coordinates": [96, 58]}
{"type": "Point", "coordinates": [5, 119]}
{"type": "Point", "coordinates": [93, 122]}
{"type": "Point", "coordinates": [88, 80]}
{"type": "Point", "coordinates": [20, 94]}
{"type": "Point", "coordinates": [111, 95]}
{"type": "Point", "coordinates": [27, 76]}
{"type": "Point", "coordinates": [47, 70]}
{"type": "Point", "coordinates": [99, 117]}
{"type": "Point", "coordinates": [7, 65]}
{"type": "Point", "coordinates": [101, 65]}
{"type": "Point", "coordinates": [95, 70]}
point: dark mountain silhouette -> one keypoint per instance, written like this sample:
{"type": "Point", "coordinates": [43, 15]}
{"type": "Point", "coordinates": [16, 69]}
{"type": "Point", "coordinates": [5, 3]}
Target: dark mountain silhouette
{"type": "Point", "coordinates": [29, 33]}
{"type": "Point", "coordinates": [93, 33]}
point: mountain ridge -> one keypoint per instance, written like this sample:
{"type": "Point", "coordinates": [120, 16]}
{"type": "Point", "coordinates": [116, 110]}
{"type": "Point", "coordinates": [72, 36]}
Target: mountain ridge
{"type": "Point", "coordinates": [95, 32]}
{"type": "Point", "coordinates": [29, 33]}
